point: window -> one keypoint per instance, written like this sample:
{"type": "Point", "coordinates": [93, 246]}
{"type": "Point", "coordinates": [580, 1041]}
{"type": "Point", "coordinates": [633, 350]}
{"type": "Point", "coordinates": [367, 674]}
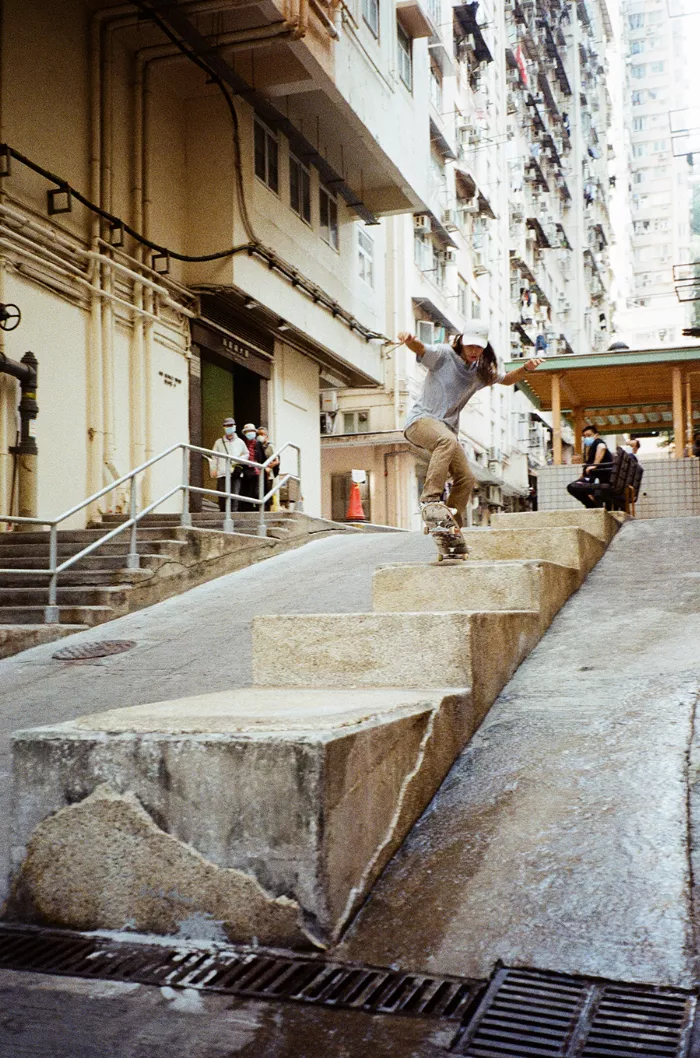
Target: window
{"type": "Point", "coordinates": [636, 21]}
{"type": "Point", "coordinates": [463, 297]}
{"type": "Point", "coordinates": [436, 88]}
{"type": "Point", "coordinates": [365, 253]}
{"type": "Point", "coordinates": [476, 307]}
{"type": "Point", "coordinates": [636, 47]}
{"type": "Point", "coordinates": [405, 56]}
{"type": "Point", "coordinates": [639, 150]}
{"type": "Point", "coordinates": [370, 13]}
{"type": "Point", "coordinates": [658, 67]}
{"type": "Point", "coordinates": [660, 145]}
{"type": "Point", "coordinates": [266, 152]}
{"type": "Point", "coordinates": [636, 98]}
{"type": "Point", "coordinates": [639, 177]}
{"type": "Point", "coordinates": [638, 124]}
{"type": "Point", "coordinates": [328, 215]}
{"type": "Point", "coordinates": [299, 189]}
{"type": "Point", "coordinates": [356, 421]}
{"type": "Point", "coordinates": [639, 70]}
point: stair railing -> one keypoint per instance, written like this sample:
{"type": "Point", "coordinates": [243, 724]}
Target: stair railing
{"type": "Point", "coordinates": [51, 613]}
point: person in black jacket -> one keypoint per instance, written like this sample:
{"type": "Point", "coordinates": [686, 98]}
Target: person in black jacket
{"type": "Point", "coordinates": [250, 485]}
{"type": "Point", "coordinates": [597, 465]}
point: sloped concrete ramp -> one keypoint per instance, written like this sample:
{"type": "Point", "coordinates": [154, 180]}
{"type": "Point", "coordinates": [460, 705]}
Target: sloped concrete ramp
{"type": "Point", "coordinates": [566, 835]}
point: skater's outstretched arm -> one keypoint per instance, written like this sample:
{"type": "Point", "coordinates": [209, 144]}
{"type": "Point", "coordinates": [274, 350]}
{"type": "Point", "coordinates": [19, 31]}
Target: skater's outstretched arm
{"type": "Point", "coordinates": [413, 343]}
{"type": "Point", "coordinates": [519, 374]}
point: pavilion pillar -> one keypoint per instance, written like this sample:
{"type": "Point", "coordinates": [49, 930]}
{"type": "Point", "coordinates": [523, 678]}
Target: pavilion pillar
{"type": "Point", "coordinates": [678, 417]}
{"type": "Point", "coordinates": [556, 420]}
{"type": "Point", "coordinates": [688, 415]}
{"type": "Point", "coordinates": [578, 434]}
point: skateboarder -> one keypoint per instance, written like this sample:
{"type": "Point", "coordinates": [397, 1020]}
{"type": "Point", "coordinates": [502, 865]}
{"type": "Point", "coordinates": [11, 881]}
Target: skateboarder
{"type": "Point", "coordinates": [456, 371]}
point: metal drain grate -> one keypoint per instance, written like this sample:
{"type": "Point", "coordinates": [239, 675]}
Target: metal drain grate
{"type": "Point", "coordinates": [101, 649]}
{"type": "Point", "coordinates": [526, 1013]}
{"type": "Point", "coordinates": [238, 972]}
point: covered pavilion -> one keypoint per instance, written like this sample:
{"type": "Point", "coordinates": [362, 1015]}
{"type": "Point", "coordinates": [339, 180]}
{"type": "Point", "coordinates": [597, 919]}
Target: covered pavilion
{"type": "Point", "coordinates": [623, 391]}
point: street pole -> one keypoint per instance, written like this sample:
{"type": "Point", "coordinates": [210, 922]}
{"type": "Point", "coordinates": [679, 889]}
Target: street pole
{"type": "Point", "coordinates": [26, 451]}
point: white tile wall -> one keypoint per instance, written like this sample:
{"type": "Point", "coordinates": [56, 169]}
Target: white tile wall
{"type": "Point", "coordinates": [670, 487]}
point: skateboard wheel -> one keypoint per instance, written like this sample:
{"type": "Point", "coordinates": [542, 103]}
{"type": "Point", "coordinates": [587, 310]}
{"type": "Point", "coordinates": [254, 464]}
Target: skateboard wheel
{"type": "Point", "coordinates": [440, 558]}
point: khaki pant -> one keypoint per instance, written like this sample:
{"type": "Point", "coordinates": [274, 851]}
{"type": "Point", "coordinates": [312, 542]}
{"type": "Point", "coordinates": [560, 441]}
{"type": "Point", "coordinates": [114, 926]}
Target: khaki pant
{"type": "Point", "coordinates": [447, 460]}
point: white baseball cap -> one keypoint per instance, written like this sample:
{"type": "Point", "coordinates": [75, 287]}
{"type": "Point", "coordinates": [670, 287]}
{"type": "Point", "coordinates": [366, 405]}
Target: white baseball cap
{"type": "Point", "coordinates": [475, 332]}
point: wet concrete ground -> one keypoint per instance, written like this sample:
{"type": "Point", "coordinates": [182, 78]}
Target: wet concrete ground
{"type": "Point", "coordinates": [565, 836]}
{"type": "Point", "coordinates": [561, 838]}
{"type": "Point", "coordinates": [62, 1017]}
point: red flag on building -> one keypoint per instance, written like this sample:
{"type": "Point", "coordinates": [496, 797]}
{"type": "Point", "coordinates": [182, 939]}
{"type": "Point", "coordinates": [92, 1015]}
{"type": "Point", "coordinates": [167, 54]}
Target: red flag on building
{"type": "Point", "coordinates": [520, 59]}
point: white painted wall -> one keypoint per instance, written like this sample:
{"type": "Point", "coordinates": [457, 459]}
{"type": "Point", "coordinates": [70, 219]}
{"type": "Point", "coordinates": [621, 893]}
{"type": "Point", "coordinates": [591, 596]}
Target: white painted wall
{"type": "Point", "coordinates": [295, 418]}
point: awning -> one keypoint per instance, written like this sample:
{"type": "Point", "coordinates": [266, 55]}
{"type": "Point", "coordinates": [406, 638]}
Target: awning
{"type": "Point", "coordinates": [466, 18]}
{"type": "Point", "coordinates": [470, 189]}
{"type": "Point", "coordinates": [482, 474]}
{"type": "Point", "coordinates": [433, 310]}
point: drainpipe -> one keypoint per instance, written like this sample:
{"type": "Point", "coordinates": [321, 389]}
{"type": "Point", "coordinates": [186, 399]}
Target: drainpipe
{"type": "Point", "coordinates": [26, 451]}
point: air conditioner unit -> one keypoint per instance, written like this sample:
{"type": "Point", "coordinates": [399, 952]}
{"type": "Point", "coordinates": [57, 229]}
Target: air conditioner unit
{"type": "Point", "coordinates": [448, 255]}
{"type": "Point", "coordinates": [449, 219]}
{"type": "Point", "coordinates": [421, 224]}
{"type": "Point", "coordinates": [472, 206]}
{"type": "Point", "coordinates": [329, 400]}
{"type": "Point", "coordinates": [495, 455]}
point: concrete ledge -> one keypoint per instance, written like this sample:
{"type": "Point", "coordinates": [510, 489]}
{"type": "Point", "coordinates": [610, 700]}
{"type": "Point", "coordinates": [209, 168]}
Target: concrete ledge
{"type": "Point", "coordinates": [526, 584]}
{"type": "Point", "coordinates": [14, 638]}
{"type": "Point", "coordinates": [393, 650]}
{"type": "Point", "coordinates": [567, 546]}
{"type": "Point", "coordinates": [250, 814]}
{"type": "Point", "coordinates": [599, 522]}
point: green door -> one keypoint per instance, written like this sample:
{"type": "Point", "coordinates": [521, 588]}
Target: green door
{"type": "Point", "coordinates": [217, 401]}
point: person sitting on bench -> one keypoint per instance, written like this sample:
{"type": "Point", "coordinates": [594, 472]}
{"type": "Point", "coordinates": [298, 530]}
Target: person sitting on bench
{"type": "Point", "coordinates": [596, 468]}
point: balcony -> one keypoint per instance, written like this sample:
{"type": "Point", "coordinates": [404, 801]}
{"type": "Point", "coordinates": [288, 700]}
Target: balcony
{"type": "Point", "coordinates": [418, 18]}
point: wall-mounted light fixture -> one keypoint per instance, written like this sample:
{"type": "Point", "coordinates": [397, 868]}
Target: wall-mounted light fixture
{"type": "Point", "coordinates": [5, 159]}
{"type": "Point", "coordinates": [282, 325]}
{"type": "Point", "coordinates": [160, 263]}
{"type": "Point", "coordinates": [116, 234]}
{"type": "Point", "coordinates": [250, 303]}
{"type": "Point", "coordinates": [58, 200]}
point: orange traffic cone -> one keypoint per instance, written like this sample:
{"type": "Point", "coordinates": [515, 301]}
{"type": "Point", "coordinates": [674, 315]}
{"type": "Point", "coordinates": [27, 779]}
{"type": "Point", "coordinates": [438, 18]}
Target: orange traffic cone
{"type": "Point", "coordinates": [354, 512]}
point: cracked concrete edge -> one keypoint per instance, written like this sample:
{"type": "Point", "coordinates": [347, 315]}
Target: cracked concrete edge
{"type": "Point", "coordinates": [146, 880]}
{"type": "Point", "coordinates": [451, 724]}
{"type": "Point", "coordinates": [692, 774]}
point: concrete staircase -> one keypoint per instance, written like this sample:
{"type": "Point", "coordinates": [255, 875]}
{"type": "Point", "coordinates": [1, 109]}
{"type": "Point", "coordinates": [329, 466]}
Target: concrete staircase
{"type": "Point", "coordinates": [297, 792]}
{"type": "Point", "coordinates": [99, 587]}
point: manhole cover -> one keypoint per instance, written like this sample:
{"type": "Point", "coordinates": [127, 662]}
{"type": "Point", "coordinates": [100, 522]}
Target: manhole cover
{"type": "Point", "coordinates": [102, 649]}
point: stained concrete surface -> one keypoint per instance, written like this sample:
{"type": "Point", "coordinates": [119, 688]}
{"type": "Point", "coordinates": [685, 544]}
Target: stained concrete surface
{"type": "Point", "coordinates": [54, 1017]}
{"type": "Point", "coordinates": [560, 839]}
{"type": "Point", "coordinates": [196, 642]}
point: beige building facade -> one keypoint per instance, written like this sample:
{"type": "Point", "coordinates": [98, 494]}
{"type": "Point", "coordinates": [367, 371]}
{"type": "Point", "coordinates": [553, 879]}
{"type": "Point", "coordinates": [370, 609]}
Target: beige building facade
{"type": "Point", "coordinates": [191, 198]}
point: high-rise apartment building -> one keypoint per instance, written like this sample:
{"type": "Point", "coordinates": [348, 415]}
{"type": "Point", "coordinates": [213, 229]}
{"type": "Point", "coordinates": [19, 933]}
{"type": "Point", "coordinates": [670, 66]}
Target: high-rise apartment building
{"type": "Point", "coordinates": [515, 229]}
{"type": "Point", "coordinates": [655, 84]}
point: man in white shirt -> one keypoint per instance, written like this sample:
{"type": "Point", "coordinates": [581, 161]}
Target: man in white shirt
{"type": "Point", "coordinates": [234, 447]}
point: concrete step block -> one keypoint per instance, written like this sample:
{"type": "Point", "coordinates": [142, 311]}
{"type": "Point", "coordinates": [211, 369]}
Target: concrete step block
{"type": "Point", "coordinates": [303, 795]}
{"type": "Point", "coordinates": [599, 522]}
{"type": "Point", "coordinates": [518, 584]}
{"type": "Point", "coordinates": [477, 650]}
{"type": "Point", "coordinates": [17, 637]}
{"type": "Point", "coordinates": [565, 545]}
{"type": "Point", "coordinates": [67, 615]}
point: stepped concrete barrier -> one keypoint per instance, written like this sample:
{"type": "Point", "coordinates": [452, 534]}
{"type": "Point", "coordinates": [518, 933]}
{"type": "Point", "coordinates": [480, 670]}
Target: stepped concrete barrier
{"type": "Point", "coordinates": [522, 584]}
{"type": "Point", "coordinates": [598, 522]}
{"type": "Point", "coordinates": [266, 815]}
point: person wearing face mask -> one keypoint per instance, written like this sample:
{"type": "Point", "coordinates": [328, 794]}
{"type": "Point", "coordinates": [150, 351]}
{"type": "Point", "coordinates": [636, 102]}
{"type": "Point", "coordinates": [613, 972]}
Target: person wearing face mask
{"type": "Point", "coordinates": [255, 452]}
{"type": "Point", "coordinates": [274, 467]}
{"type": "Point", "coordinates": [456, 371]}
{"type": "Point", "coordinates": [597, 465]}
{"type": "Point", "coordinates": [232, 446]}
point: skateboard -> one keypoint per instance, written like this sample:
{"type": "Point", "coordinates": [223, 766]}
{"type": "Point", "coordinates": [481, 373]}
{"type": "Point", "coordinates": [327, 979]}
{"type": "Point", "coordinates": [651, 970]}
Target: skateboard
{"type": "Point", "coordinates": [439, 522]}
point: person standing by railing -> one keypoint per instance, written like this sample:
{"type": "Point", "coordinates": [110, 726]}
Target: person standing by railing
{"type": "Point", "coordinates": [232, 446]}
{"type": "Point", "coordinates": [250, 484]}
{"type": "Point", "coordinates": [274, 467]}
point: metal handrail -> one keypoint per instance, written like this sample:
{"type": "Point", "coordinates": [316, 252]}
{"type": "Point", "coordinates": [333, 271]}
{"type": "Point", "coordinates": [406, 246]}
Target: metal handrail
{"type": "Point", "coordinates": [51, 614]}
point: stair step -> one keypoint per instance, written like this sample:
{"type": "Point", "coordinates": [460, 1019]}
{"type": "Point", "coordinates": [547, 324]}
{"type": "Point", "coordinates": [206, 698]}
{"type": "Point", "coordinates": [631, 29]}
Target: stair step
{"type": "Point", "coordinates": [84, 536]}
{"type": "Point", "coordinates": [76, 577]}
{"type": "Point", "coordinates": [67, 615]}
{"type": "Point", "coordinates": [100, 563]}
{"type": "Point", "coordinates": [76, 595]}
{"type": "Point", "coordinates": [113, 547]}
